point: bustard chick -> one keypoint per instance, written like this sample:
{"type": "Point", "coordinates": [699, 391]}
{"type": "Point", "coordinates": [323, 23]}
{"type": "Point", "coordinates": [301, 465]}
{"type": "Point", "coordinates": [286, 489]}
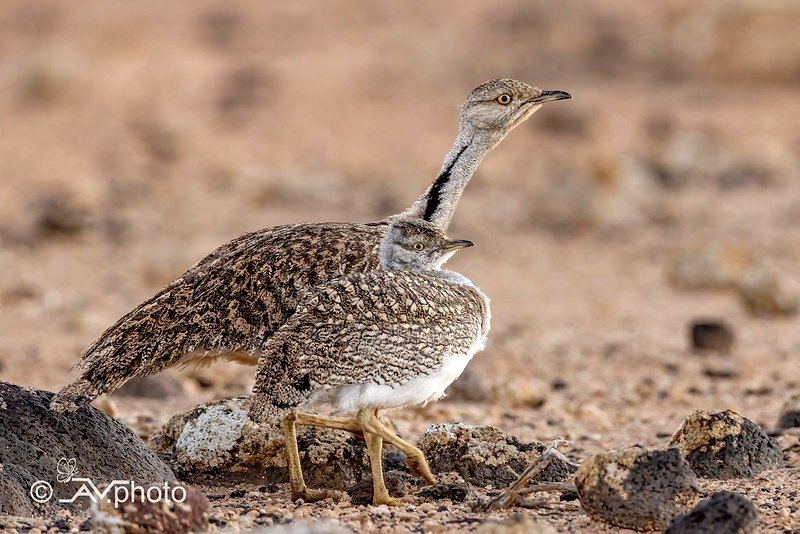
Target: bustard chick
{"type": "Point", "coordinates": [230, 303]}
{"type": "Point", "coordinates": [365, 342]}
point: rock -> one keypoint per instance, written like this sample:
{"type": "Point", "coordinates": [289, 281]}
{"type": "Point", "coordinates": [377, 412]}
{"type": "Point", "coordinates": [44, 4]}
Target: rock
{"type": "Point", "coordinates": [470, 386]}
{"type": "Point", "coordinates": [725, 445]}
{"type": "Point", "coordinates": [714, 266]}
{"type": "Point", "coordinates": [308, 527]}
{"type": "Point", "coordinates": [721, 371]}
{"type": "Point", "coordinates": [767, 293]}
{"type": "Point", "coordinates": [485, 455]}
{"type": "Point", "coordinates": [448, 486]}
{"type": "Point", "coordinates": [519, 524]}
{"type": "Point", "coordinates": [219, 441]}
{"type": "Point", "coordinates": [761, 289]}
{"type": "Point", "coordinates": [158, 386]}
{"type": "Point", "coordinates": [711, 335]}
{"type": "Point", "coordinates": [14, 523]}
{"type": "Point", "coordinates": [790, 413]}
{"type": "Point", "coordinates": [37, 444]}
{"type": "Point", "coordinates": [183, 510]}
{"type": "Point", "coordinates": [636, 488]}
{"type": "Point", "coordinates": [612, 194]}
{"type": "Point", "coordinates": [399, 484]}
{"type": "Point", "coordinates": [221, 381]}
{"type": "Point", "coordinates": [59, 215]}
{"type": "Point", "coordinates": [520, 392]}
{"type": "Point", "coordinates": [724, 512]}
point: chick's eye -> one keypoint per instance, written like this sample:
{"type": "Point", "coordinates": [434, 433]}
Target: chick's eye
{"type": "Point", "coordinates": [418, 246]}
{"type": "Point", "coordinates": [503, 99]}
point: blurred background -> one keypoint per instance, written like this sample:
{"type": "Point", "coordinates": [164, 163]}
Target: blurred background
{"type": "Point", "coordinates": [138, 136]}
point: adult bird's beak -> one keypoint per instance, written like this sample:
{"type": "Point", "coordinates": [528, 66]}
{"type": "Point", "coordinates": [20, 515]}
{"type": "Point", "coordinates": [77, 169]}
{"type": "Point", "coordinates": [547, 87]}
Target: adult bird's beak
{"type": "Point", "coordinates": [549, 96]}
{"type": "Point", "coordinates": [456, 244]}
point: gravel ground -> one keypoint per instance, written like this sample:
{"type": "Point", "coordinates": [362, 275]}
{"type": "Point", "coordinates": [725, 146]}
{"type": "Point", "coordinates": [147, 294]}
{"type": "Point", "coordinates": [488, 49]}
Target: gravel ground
{"type": "Point", "coordinates": [137, 137]}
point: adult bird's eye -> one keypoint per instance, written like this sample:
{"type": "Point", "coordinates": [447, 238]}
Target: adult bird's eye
{"type": "Point", "coordinates": [418, 246]}
{"type": "Point", "coordinates": [503, 99]}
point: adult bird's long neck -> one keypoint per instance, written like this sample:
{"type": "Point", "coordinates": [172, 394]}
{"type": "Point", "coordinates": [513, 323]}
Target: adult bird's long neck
{"type": "Point", "coordinates": [438, 203]}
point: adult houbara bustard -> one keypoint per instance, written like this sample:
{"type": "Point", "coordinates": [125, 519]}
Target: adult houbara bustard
{"type": "Point", "coordinates": [232, 301]}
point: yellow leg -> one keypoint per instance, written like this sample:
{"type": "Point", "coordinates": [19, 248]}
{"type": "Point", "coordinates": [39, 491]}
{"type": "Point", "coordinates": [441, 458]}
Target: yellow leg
{"type": "Point", "coordinates": [380, 495]}
{"type": "Point", "coordinates": [349, 424]}
{"type": "Point", "coordinates": [296, 482]}
{"type": "Point", "coordinates": [371, 424]}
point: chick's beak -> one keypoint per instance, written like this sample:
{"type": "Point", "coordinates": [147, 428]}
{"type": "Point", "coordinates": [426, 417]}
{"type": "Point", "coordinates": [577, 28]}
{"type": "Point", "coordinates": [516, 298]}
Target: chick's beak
{"type": "Point", "coordinates": [457, 244]}
{"type": "Point", "coordinates": [549, 96]}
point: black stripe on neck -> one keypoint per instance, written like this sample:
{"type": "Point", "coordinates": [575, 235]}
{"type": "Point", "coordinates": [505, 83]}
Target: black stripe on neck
{"type": "Point", "coordinates": [434, 195]}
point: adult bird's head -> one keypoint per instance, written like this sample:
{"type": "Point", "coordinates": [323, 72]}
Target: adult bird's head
{"type": "Point", "coordinates": [491, 111]}
{"type": "Point", "coordinates": [499, 106]}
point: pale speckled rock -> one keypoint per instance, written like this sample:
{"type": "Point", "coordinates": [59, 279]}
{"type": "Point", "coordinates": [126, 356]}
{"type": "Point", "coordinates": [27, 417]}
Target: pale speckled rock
{"type": "Point", "coordinates": [219, 441]}
{"type": "Point", "coordinates": [766, 292]}
{"type": "Point", "coordinates": [210, 438]}
{"type": "Point", "coordinates": [714, 266]}
{"type": "Point", "coordinates": [33, 439]}
{"type": "Point", "coordinates": [723, 513]}
{"type": "Point", "coordinates": [608, 194]}
{"type": "Point", "coordinates": [135, 515]}
{"type": "Point", "coordinates": [636, 488]}
{"type": "Point", "coordinates": [790, 413]}
{"type": "Point", "coordinates": [484, 455]}
{"type": "Point", "coordinates": [308, 527]}
{"type": "Point", "coordinates": [516, 525]}
{"type": "Point", "coordinates": [726, 445]}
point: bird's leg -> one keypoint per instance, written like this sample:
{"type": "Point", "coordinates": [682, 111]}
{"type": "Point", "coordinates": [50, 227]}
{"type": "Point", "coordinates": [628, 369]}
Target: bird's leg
{"type": "Point", "coordinates": [296, 482]}
{"type": "Point", "coordinates": [416, 460]}
{"type": "Point", "coordinates": [350, 424]}
{"type": "Point", "coordinates": [380, 495]}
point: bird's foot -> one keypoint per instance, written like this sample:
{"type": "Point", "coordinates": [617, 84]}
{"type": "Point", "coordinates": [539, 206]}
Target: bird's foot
{"type": "Point", "coordinates": [317, 494]}
{"type": "Point", "coordinates": [419, 468]}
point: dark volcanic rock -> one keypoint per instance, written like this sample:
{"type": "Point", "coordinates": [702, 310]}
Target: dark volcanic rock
{"type": "Point", "coordinates": [187, 513]}
{"type": "Point", "coordinates": [218, 441]}
{"type": "Point", "coordinates": [726, 445]}
{"type": "Point", "coordinates": [448, 486]}
{"type": "Point", "coordinates": [485, 455]}
{"type": "Point", "coordinates": [723, 513]}
{"type": "Point", "coordinates": [713, 336]}
{"type": "Point", "coordinates": [36, 444]}
{"type": "Point", "coordinates": [636, 488]}
{"type": "Point", "coordinates": [790, 413]}
{"type": "Point", "coordinates": [399, 484]}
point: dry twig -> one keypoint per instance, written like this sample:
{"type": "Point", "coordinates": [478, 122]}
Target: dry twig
{"type": "Point", "coordinates": [518, 487]}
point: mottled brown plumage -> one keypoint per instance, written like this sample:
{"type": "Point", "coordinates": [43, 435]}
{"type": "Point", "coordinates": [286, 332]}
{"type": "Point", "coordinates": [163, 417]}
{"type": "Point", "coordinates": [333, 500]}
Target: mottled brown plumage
{"type": "Point", "coordinates": [228, 304]}
{"type": "Point", "coordinates": [232, 301]}
{"type": "Point", "coordinates": [387, 327]}
{"type": "Point", "coordinates": [365, 342]}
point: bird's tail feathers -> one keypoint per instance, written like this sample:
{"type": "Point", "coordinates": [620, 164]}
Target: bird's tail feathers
{"type": "Point", "coordinates": [74, 396]}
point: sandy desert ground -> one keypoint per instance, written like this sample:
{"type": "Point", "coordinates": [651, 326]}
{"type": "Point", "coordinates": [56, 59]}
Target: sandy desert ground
{"type": "Point", "coordinates": [136, 137]}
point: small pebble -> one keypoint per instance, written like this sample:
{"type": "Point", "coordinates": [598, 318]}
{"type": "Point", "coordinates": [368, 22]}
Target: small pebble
{"type": "Point", "coordinates": [711, 335]}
